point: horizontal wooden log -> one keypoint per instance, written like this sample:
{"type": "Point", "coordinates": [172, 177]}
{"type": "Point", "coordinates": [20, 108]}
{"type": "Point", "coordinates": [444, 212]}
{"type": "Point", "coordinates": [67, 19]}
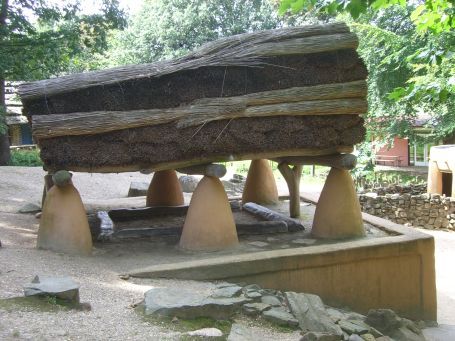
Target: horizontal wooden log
{"type": "Point", "coordinates": [215, 170]}
{"type": "Point", "coordinates": [330, 99]}
{"type": "Point", "coordinates": [267, 214]}
{"type": "Point", "coordinates": [240, 50]}
{"type": "Point", "coordinates": [243, 229]}
{"type": "Point", "coordinates": [340, 161]}
{"type": "Point", "coordinates": [125, 214]}
{"type": "Point", "coordinates": [219, 158]}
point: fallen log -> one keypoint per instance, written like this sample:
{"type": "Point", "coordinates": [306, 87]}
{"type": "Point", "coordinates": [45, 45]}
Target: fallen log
{"type": "Point", "coordinates": [267, 214]}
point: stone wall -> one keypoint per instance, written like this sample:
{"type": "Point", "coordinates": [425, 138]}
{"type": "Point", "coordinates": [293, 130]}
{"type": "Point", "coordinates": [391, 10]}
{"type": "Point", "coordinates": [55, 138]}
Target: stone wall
{"type": "Point", "coordinates": [423, 210]}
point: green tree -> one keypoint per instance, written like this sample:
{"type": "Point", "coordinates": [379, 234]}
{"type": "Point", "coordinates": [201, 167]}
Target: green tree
{"type": "Point", "coordinates": [409, 50]}
{"type": "Point", "coordinates": [39, 39]}
{"type": "Point", "coordinates": [169, 28]}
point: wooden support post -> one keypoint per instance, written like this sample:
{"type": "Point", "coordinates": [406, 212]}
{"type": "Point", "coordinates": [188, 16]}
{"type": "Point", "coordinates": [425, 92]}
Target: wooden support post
{"type": "Point", "coordinates": [165, 190]}
{"type": "Point", "coordinates": [63, 225]}
{"type": "Point", "coordinates": [211, 169]}
{"type": "Point", "coordinates": [292, 177]}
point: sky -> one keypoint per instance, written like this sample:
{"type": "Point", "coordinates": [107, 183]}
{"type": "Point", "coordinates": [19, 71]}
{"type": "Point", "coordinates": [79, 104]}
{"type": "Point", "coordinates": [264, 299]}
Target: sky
{"type": "Point", "coordinates": [131, 6]}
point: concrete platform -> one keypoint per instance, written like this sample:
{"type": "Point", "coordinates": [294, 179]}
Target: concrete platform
{"type": "Point", "coordinates": [396, 271]}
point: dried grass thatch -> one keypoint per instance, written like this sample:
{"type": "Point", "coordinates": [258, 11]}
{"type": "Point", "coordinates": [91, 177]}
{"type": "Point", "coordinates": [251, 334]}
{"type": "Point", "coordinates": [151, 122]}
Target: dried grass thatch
{"type": "Point", "coordinates": [249, 49]}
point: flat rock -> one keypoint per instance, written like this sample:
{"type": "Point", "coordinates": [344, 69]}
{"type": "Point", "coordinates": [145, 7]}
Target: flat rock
{"type": "Point", "coordinates": [227, 291]}
{"type": "Point", "coordinates": [406, 334]}
{"type": "Point", "coordinates": [280, 317]}
{"type": "Point", "coordinates": [353, 328]}
{"type": "Point", "coordinates": [188, 183]}
{"type": "Point", "coordinates": [258, 244]}
{"type": "Point", "coordinates": [63, 288]}
{"type": "Point", "coordinates": [253, 294]}
{"type": "Point", "coordinates": [304, 241]}
{"type": "Point", "coordinates": [311, 314]}
{"type": "Point", "coordinates": [368, 337]}
{"type": "Point", "coordinates": [355, 337]}
{"type": "Point", "coordinates": [240, 332]}
{"type": "Point", "coordinates": [315, 336]}
{"type": "Point", "coordinates": [189, 304]}
{"type": "Point", "coordinates": [30, 208]}
{"type": "Point", "coordinates": [390, 324]}
{"type": "Point", "coordinates": [138, 188]}
{"type": "Point", "coordinates": [255, 308]}
{"type": "Point", "coordinates": [206, 332]}
{"type": "Point", "coordinates": [335, 314]}
{"type": "Point", "coordinates": [384, 320]}
{"type": "Point", "coordinates": [271, 300]}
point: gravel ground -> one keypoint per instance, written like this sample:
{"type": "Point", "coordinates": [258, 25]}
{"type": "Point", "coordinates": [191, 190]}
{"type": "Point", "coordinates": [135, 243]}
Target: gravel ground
{"type": "Point", "coordinates": [111, 317]}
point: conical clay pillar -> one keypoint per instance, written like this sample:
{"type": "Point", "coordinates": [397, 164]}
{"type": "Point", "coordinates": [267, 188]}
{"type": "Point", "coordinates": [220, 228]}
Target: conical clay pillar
{"type": "Point", "coordinates": [260, 185]}
{"type": "Point", "coordinates": [63, 225]}
{"type": "Point", "coordinates": [338, 213]}
{"type": "Point", "coordinates": [165, 190]}
{"type": "Point", "coordinates": [209, 223]}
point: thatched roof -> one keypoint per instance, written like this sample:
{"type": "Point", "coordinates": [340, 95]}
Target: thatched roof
{"type": "Point", "coordinates": [249, 49]}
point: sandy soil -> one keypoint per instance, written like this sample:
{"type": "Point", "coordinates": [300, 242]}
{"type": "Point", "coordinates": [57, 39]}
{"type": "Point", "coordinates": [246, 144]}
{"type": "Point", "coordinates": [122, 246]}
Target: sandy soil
{"type": "Point", "coordinates": [111, 317]}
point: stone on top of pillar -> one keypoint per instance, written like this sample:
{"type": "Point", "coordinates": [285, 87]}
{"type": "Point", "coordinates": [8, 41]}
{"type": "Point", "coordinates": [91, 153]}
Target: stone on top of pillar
{"type": "Point", "coordinates": [209, 223]}
{"type": "Point", "coordinates": [260, 186]}
{"type": "Point", "coordinates": [338, 213]}
{"type": "Point", "coordinates": [165, 190]}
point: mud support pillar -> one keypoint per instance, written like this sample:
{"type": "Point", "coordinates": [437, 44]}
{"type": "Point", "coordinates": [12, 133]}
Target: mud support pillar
{"type": "Point", "coordinates": [260, 185]}
{"type": "Point", "coordinates": [63, 225]}
{"type": "Point", "coordinates": [292, 177]}
{"type": "Point", "coordinates": [165, 190]}
{"type": "Point", "coordinates": [48, 183]}
{"type": "Point", "coordinates": [209, 223]}
{"type": "Point", "coordinates": [338, 213]}
{"type": "Point", "coordinates": [434, 179]}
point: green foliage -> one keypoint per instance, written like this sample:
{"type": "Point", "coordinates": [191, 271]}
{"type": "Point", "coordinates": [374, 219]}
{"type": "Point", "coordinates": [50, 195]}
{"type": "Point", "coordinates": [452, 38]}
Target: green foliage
{"type": "Point", "coordinates": [409, 50]}
{"type": "Point", "coordinates": [25, 158]}
{"type": "Point", "coordinates": [166, 29]}
{"type": "Point", "coordinates": [52, 38]}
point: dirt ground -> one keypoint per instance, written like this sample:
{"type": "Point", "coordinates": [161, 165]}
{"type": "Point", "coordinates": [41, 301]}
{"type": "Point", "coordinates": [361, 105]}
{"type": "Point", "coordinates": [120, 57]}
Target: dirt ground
{"type": "Point", "coordinates": [111, 317]}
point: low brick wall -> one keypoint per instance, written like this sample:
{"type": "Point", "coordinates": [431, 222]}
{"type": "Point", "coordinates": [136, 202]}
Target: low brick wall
{"type": "Point", "coordinates": [424, 210]}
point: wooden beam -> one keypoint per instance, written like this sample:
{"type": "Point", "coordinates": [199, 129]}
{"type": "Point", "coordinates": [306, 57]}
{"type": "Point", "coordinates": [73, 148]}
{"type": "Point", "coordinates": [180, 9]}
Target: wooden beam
{"type": "Point", "coordinates": [204, 160]}
{"type": "Point", "coordinates": [215, 170]}
{"type": "Point", "coordinates": [340, 161]}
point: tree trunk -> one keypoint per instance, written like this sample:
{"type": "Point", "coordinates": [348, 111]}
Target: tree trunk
{"type": "Point", "coordinates": [5, 154]}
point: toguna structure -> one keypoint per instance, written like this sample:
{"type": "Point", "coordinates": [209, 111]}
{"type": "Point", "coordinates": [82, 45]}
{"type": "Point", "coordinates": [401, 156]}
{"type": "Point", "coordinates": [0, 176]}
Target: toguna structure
{"type": "Point", "coordinates": [292, 95]}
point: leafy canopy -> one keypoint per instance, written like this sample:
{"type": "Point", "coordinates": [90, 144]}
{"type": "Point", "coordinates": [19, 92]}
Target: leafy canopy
{"type": "Point", "coordinates": [409, 50]}
{"type": "Point", "coordinates": [39, 39]}
{"type": "Point", "coordinates": [166, 29]}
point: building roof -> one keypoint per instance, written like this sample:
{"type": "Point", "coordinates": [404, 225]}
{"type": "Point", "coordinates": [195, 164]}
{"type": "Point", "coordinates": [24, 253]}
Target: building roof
{"type": "Point", "coordinates": [13, 105]}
